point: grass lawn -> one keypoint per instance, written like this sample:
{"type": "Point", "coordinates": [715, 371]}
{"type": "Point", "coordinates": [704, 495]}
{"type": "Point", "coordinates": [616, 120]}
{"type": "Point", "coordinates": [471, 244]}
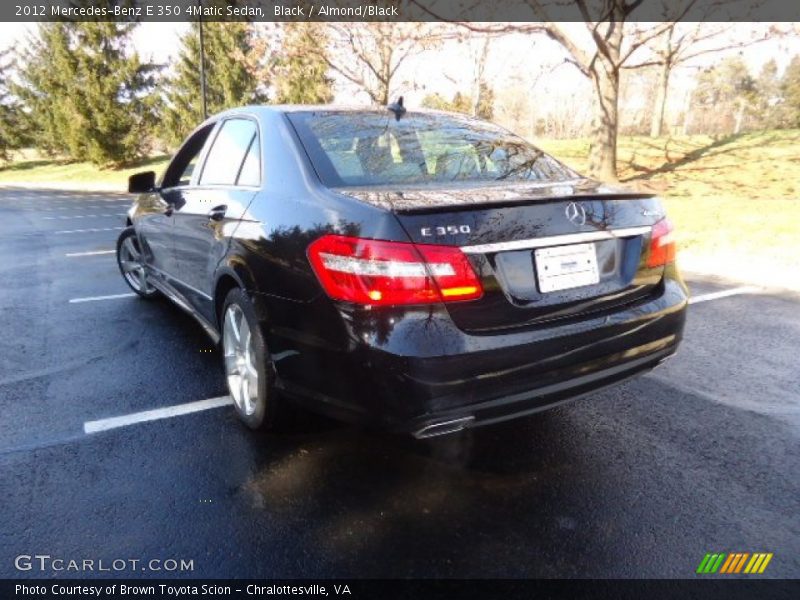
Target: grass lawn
{"type": "Point", "coordinates": [31, 169]}
{"type": "Point", "coordinates": [735, 200]}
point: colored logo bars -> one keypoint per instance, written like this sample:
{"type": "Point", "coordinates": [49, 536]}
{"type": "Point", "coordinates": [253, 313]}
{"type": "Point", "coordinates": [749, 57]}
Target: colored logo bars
{"type": "Point", "coordinates": [734, 563]}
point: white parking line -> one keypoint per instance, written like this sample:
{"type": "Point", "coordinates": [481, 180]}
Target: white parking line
{"type": "Point", "coordinates": [61, 218]}
{"type": "Point", "coordinates": [92, 253]}
{"type": "Point", "coordinates": [155, 414]}
{"type": "Point", "coordinates": [90, 230]}
{"type": "Point", "coordinates": [97, 298]}
{"type": "Point", "coordinates": [745, 289]}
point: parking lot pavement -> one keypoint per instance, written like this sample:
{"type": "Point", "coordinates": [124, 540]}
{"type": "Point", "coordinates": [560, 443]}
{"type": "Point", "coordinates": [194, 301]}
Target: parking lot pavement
{"type": "Point", "coordinates": [639, 480]}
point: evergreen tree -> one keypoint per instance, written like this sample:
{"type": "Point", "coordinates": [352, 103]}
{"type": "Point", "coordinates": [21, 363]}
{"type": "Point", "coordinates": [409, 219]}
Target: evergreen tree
{"type": "Point", "coordinates": [11, 131]}
{"type": "Point", "coordinates": [485, 106]}
{"type": "Point", "coordinates": [230, 81]}
{"type": "Point", "coordinates": [46, 70]}
{"type": "Point", "coordinates": [87, 92]}
{"type": "Point", "coordinates": [301, 73]}
{"type": "Point", "coordinates": [790, 92]}
{"type": "Point", "coordinates": [727, 94]}
{"type": "Point", "coordinates": [460, 103]}
{"type": "Point", "coordinates": [767, 106]}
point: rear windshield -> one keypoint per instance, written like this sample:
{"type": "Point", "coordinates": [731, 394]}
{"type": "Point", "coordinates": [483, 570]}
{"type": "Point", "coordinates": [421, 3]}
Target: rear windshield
{"type": "Point", "coordinates": [367, 149]}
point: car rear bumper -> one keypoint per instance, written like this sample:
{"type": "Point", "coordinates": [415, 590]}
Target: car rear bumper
{"type": "Point", "coordinates": [415, 372]}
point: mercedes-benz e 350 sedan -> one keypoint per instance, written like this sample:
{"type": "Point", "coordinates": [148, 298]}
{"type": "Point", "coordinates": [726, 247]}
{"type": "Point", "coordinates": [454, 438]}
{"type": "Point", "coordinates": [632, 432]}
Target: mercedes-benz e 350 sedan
{"type": "Point", "coordinates": [420, 271]}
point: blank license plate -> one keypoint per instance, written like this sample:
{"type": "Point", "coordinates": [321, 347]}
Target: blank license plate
{"type": "Point", "coordinates": [565, 267]}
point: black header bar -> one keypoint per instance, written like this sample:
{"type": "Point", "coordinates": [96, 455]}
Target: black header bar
{"type": "Point", "coordinates": [496, 11]}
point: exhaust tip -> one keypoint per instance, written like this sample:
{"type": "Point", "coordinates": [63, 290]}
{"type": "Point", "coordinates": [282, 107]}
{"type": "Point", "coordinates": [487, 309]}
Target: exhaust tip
{"type": "Point", "coordinates": [443, 427]}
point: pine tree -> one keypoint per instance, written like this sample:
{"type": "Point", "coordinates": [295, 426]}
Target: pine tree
{"type": "Point", "coordinates": [230, 81]}
{"type": "Point", "coordinates": [790, 91]}
{"type": "Point", "coordinates": [88, 93]}
{"type": "Point", "coordinates": [461, 103]}
{"type": "Point", "coordinates": [301, 73]}
{"type": "Point", "coordinates": [485, 106]}
{"type": "Point", "coordinates": [11, 131]}
{"type": "Point", "coordinates": [46, 68]}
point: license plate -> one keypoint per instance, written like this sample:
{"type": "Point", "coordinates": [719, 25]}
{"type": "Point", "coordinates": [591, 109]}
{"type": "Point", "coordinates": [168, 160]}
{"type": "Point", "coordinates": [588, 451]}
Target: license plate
{"type": "Point", "coordinates": [565, 267]}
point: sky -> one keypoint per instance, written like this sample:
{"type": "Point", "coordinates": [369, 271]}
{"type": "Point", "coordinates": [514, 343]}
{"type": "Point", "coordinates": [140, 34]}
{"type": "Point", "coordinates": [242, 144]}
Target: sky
{"type": "Point", "coordinates": [537, 67]}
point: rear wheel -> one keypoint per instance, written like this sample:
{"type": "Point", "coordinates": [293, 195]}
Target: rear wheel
{"type": "Point", "coordinates": [131, 264]}
{"type": "Point", "coordinates": [248, 368]}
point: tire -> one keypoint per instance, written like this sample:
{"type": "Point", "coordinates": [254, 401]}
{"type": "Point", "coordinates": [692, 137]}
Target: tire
{"type": "Point", "coordinates": [129, 261]}
{"type": "Point", "coordinates": [248, 366]}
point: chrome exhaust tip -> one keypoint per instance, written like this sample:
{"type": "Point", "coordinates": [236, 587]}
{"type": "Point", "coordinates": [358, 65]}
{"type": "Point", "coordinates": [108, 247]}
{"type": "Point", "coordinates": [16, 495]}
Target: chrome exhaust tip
{"type": "Point", "coordinates": [443, 427]}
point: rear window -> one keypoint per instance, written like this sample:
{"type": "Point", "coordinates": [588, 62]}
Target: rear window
{"type": "Point", "coordinates": [372, 148]}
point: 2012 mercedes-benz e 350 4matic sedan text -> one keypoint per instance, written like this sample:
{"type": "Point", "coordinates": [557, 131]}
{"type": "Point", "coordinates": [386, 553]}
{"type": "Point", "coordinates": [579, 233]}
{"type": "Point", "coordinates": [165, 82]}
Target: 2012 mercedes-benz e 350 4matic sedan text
{"type": "Point", "coordinates": [420, 271]}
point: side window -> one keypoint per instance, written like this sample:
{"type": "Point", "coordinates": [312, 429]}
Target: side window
{"type": "Point", "coordinates": [251, 167]}
{"type": "Point", "coordinates": [179, 172]}
{"type": "Point", "coordinates": [226, 155]}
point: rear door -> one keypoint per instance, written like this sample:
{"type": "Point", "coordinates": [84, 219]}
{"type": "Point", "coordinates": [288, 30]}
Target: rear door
{"type": "Point", "coordinates": [156, 222]}
{"type": "Point", "coordinates": [230, 178]}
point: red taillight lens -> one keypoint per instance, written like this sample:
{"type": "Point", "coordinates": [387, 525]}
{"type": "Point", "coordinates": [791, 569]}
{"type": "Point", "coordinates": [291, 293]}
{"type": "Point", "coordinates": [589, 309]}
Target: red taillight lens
{"type": "Point", "coordinates": [385, 273]}
{"type": "Point", "coordinates": [662, 244]}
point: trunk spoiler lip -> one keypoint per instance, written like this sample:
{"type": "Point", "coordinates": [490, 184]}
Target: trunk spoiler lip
{"type": "Point", "coordinates": [410, 200]}
{"type": "Point", "coordinates": [421, 210]}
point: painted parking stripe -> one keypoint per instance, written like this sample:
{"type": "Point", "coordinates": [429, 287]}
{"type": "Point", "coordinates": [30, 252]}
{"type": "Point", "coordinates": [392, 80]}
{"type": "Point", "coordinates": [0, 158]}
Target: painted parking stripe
{"type": "Point", "coordinates": [62, 217]}
{"type": "Point", "coordinates": [745, 289]}
{"type": "Point", "coordinates": [156, 414]}
{"type": "Point", "coordinates": [99, 298]}
{"type": "Point", "coordinates": [90, 230]}
{"type": "Point", "coordinates": [92, 253]}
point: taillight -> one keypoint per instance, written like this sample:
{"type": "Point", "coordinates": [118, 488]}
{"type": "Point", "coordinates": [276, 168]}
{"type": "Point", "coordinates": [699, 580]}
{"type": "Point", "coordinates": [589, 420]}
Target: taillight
{"type": "Point", "coordinates": [385, 273]}
{"type": "Point", "coordinates": [662, 244]}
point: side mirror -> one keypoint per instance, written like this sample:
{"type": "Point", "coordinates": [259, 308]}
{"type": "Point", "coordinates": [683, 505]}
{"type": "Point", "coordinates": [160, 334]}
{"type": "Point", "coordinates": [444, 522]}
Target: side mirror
{"type": "Point", "coordinates": [142, 183]}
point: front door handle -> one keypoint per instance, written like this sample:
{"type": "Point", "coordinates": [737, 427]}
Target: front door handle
{"type": "Point", "coordinates": [217, 213]}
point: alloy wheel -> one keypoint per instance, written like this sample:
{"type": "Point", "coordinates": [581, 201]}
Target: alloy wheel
{"type": "Point", "coordinates": [240, 357]}
{"type": "Point", "coordinates": [130, 261]}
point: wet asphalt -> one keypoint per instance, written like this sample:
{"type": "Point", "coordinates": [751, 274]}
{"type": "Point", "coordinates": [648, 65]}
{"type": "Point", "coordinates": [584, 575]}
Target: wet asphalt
{"type": "Point", "coordinates": [641, 480]}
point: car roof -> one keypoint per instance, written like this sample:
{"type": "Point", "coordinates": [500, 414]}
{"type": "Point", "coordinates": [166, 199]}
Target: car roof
{"type": "Point", "coordinates": [272, 109]}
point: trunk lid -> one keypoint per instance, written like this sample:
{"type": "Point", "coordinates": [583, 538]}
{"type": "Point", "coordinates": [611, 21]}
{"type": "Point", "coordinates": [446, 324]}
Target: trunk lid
{"type": "Point", "coordinates": [565, 251]}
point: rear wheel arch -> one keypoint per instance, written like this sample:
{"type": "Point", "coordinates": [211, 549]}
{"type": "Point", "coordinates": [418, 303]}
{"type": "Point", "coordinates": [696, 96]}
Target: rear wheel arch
{"type": "Point", "coordinates": [225, 283]}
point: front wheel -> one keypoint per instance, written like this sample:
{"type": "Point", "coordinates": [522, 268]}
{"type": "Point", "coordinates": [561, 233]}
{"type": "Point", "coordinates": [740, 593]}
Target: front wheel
{"type": "Point", "coordinates": [131, 264]}
{"type": "Point", "coordinates": [248, 369]}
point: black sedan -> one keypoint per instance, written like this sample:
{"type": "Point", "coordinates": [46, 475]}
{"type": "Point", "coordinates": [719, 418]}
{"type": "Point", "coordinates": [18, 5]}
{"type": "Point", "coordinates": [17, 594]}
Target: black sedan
{"type": "Point", "coordinates": [419, 271]}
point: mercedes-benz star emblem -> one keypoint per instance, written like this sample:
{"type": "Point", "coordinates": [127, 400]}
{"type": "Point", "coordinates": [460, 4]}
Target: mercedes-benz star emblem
{"type": "Point", "coordinates": [576, 213]}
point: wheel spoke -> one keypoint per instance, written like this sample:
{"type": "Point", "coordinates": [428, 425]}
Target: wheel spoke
{"type": "Point", "coordinates": [128, 265]}
{"type": "Point", "coordinates": [230, 318]}
{"type": "Point", "coordinates": [244, 337]}
{"type": "Point", "coordinates": [132, 252]}
{"type": "Point", "coordinates": [142, 278]}
{"type": "Point", "coordinates": [234, 383]}
{"type": "Point", "coordinates": [244, 392]}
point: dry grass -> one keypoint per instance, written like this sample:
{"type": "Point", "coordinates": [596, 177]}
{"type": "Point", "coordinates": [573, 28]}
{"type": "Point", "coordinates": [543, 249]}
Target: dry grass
{"type": "Point", "coordinates": [762, 165]}
{"type": "Point", "coordinates": [735, 200]}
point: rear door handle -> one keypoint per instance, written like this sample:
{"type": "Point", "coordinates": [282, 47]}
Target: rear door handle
{"type": "Point", "coordinates": [217, 213]}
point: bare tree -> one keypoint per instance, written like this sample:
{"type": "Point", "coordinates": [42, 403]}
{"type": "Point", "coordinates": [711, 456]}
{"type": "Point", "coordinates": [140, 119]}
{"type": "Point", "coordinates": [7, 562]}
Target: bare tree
{"type": "Point", "coordinates": [369, 55]}
{"type": "Point", "coordinates": [679, 44]}
{"type": "Point", "coordinates": [611, 42]}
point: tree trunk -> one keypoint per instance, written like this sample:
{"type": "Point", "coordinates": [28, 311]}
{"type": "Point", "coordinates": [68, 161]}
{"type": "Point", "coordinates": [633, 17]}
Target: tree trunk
{"type": "Point", "coordinates": [657, 122]}
{"type": "Point", "coordinates": [604, 72]}
{"type": "Point", "coordinates": [739, 116]}
{"type": "Point", "coordinates": [603, 148]}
